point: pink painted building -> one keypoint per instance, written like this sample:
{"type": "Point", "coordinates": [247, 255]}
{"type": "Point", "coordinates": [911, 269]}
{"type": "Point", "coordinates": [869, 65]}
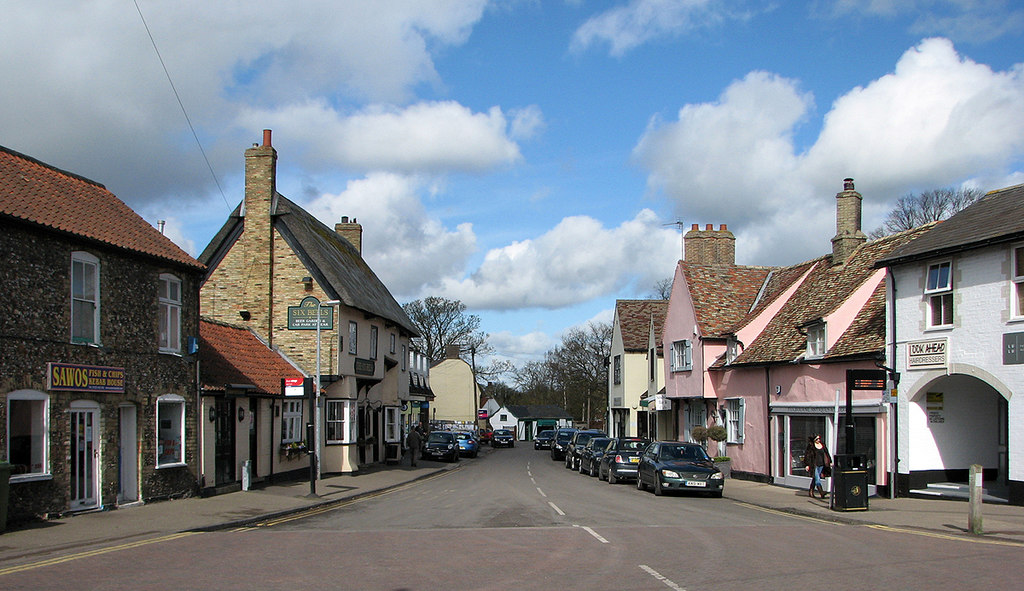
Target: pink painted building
{"type": "Point", "coordinates": [764, 351]}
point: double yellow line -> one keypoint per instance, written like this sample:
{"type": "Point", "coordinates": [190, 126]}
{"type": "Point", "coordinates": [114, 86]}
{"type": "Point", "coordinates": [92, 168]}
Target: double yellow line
{"type": "Point", "coordinates": [90, 553]}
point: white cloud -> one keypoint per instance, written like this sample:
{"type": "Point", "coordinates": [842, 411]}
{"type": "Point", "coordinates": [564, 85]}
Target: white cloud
{"type": "Point", "coordinates": [424, 137]}
{"type": "Point", "coordinates": [962, 20]}
{"type": "Point", "coordinates": [935, 121]}
{"type": "Point", "coordinates": [631, 25]}
{"type": "Point", "coordinates": [403, 245]}
{"type": "Point", "coordinates": [87, 75]}
{"type": "Point", "coordinates": [575, 261]}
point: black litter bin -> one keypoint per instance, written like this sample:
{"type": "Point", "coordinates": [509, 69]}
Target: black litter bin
{"type": "Point", "coordinates": [849, 483]}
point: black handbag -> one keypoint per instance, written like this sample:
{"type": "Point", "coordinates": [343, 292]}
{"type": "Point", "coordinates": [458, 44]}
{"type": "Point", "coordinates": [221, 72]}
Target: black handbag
{"type": "Point", "coordinates": [826, 471]}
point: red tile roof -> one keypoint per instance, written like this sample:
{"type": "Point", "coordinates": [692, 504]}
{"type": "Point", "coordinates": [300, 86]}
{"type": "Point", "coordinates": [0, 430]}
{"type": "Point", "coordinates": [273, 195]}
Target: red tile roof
{"type": "Point", "coordinates": [37, 193]}
{"type": "Point", "coordinates": [234, 355]}
{"type": "Point", "coordinates": [722, 295]}
{"type": "Point", "coordinates": [635, 321]}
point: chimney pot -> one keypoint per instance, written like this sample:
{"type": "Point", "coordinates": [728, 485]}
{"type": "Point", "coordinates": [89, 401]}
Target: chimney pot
{"type": "Point", "coordinates": [709, 227]}
{"type": "Point", "coordinates": [344, 219]}
{"type": "Point", "coordinates": [848, 184]}
{"type": "Point", "coordinates": [695, 227]}
{"type": "Point", "coordinates": [723, 227]}
{"type": "Point", "coordinates": [266, 138]}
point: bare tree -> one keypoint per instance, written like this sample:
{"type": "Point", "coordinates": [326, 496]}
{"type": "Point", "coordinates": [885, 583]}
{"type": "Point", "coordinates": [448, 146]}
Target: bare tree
{"type": "Point", "coordinates": [443, 322]}
{"type": "Point", "coordinates": [912, 210]}
{"type": "Point", "coordinates": [663, 289]}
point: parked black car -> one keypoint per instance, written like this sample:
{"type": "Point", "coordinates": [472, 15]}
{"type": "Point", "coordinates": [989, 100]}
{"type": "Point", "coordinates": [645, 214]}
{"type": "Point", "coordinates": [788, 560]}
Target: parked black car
{"type": "Point", "coordinates": [590, 455]}
{"type": "Point", "coordinates": [560, 442]}
{"type": "Point", "coordinates": [503, 438]}
{"type": "Point", "coordinates": [543, 439]}
{"type": "Point", "coordinates": [577, 443]}
{"type": "Point", "coordinates": [441, 445]}
{"type": "Point", "coordinates": [672, 465]}
{"type": "Point", "coordinates": [621, 458]}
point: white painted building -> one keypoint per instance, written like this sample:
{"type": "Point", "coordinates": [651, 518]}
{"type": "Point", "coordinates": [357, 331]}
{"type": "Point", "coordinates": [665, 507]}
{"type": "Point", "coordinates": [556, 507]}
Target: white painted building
{"type": "Point", "coordinates": [955, 314]}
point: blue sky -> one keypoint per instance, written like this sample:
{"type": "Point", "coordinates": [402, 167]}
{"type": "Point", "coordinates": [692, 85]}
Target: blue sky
{"type": "Point", "coordinates": [526, 157]}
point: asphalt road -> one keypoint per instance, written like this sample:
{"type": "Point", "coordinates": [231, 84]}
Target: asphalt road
{"type": "Point", "coordinates": [513, 519]}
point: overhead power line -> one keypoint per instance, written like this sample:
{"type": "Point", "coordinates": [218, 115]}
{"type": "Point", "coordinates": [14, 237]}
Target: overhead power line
{"type": "Point", "coordinates": [182, 105]}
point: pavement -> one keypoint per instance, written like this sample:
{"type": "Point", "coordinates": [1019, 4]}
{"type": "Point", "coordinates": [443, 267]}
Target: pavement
{"type": "Point", "coordinates": [92, 531]}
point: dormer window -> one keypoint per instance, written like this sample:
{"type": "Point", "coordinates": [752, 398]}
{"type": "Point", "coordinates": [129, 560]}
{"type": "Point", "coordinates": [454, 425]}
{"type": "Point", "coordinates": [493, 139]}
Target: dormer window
{"type": "Point", "coordinates": [939, 292]}
{"type": "Point", "coordinates": [732, 350]}
{"type": "Point", "coordinates": [816, 340]}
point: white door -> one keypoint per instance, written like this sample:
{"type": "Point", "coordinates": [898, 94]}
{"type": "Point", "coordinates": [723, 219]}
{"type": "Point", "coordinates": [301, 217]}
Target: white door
{"type": "Point", "coordinates": [85, 456]}
{"type": "Point", "coordinates": [128, 456]}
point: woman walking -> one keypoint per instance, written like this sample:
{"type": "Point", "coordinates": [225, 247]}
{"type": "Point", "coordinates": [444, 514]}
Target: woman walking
{"type": "Point", "coordinates": [817, 460]}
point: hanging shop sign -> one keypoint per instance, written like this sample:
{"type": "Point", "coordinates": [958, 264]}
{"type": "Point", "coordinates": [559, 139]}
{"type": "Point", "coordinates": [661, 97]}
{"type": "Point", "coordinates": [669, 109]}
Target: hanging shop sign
{"type": "Point", "coordinates": [927, 354]}
{"type": "Point", "coordinates": [84, 378]}
{"type": "Point", "coordinates": [303, 316]}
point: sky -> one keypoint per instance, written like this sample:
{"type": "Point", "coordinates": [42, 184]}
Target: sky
{"type": "Point", "coordinates": [534, 159]}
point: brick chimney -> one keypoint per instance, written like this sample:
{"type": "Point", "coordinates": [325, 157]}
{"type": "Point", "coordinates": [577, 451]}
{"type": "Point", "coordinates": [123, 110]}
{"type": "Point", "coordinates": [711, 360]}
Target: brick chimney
{"type": "Point", "coordinates": [451, 352]}
{"type": "Point", "coordinates": [260, 189]}
{"type": "Point", "coordinates": [848, 217]}
{"type": "Point", "coordinates": [351, 231]}
{"type": "Point", "coordinates": [709, 246]}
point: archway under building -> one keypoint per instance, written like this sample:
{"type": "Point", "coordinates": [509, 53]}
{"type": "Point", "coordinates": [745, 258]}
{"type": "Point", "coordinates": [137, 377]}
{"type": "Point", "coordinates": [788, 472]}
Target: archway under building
{"type": "Point", "coordinates": [955, 420]}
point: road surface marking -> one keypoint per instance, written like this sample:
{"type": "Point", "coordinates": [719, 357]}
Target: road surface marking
{"type": "Point", "coordinates": [593, 533]}
{"type": "Point", "coordinates": [541, 492]}
{"type": "Point", "coordinates": [555, 507]}
{"type": "Point", "coordinates": [668, 583]}
{"type": "Point", "coordinates": [91, 553]}
{"type": "Point", "coordinates": [945, 536]}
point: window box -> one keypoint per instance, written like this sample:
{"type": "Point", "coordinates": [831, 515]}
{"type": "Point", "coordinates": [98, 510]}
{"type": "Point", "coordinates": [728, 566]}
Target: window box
{"type": "Point", "coordinates": [293, 449]}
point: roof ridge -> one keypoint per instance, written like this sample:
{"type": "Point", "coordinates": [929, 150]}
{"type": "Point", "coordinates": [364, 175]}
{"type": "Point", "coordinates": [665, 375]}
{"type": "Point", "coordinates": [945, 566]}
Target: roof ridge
{"type": "Point", "coordinates": [18, 154]}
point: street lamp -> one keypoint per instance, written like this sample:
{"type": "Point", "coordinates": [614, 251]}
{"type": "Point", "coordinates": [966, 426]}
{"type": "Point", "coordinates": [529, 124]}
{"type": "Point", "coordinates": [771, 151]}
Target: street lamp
{"type": "Point", "coordinates": [316, 392]}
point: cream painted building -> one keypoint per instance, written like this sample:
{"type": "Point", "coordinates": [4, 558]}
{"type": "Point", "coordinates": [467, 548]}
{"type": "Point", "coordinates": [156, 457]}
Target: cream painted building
{"type": "Point", "coordinates": [455, 397]}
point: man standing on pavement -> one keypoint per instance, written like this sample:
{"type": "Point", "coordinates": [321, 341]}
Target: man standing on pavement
{"type": "Point", "coordinates": [413, 441]}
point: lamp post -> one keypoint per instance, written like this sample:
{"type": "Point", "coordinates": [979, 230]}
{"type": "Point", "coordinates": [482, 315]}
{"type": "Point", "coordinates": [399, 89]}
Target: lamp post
{"type": "Point", "coordinates": [316, 392]}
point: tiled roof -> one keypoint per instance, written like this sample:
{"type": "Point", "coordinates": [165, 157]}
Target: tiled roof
{"type": "Point", "coordinates": [330, 259]}
{"type": "Point", "coordinates": [825, 289]}
{"type": "Point", "coordinates": [37, 193]}
{"type": "Point", "coordinates": [235, 355]}
{"type": "Point", "coordinates": [996, 217]}
{"type": "Point", "coordinates": [722, 294]}
{"type": "Point", "coordinates": [635, 321]}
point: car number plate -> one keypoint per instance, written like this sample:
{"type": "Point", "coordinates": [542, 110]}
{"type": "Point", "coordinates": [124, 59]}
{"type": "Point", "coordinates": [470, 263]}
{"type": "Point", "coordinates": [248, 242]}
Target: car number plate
{"type": "Point", "coordinates": [696, 483]}
{"type": "Point", "coordinates": [635, 460]}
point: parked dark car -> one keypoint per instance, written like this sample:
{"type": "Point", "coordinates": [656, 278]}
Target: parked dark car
{"type": "Point", "coordinates": [441, 445]}
{"type": "Point", "coordinates": [503, 438]}
{"type": "Point", "coordinates": [543, 439]}
{"type": "Point", "coordinates": [577, 443]}
{"type": "Point", "coordinates": [621, 458]}
{"type": "Point", "coordinates": [590, 455]}
{"type": "Point", "coordinates": [560, 442]}
{"type": "Point", "coordinates": [672, 465]}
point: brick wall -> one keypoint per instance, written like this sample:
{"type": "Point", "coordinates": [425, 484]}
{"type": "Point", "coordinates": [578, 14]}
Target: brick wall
{"type": "Point", "coordinates": [35, 329]}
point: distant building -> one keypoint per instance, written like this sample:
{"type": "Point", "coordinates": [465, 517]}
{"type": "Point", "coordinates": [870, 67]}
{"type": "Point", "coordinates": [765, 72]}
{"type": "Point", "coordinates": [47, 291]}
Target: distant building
{"type": "Point", "coordinates": [97, 328]}
{"type": "Point", "coordinates": [634, 364]}
{"type": "Point", "coordinates": [528, 420]}
{"type": "Point", "coordinates": [456, 393]}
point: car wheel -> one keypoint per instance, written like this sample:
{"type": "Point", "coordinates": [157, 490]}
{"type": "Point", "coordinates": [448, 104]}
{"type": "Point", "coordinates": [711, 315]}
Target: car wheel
{"type": "Point", "coordinates": [640, 483]}
{"type": "Point", "coordinates": [612, 479]}
{"type": "Point", "coordinates": [658, 491]}
{"type": "Point", "coordinates": [592, 472]}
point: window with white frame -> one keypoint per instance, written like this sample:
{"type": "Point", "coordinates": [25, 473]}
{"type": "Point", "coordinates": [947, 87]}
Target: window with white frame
{"type": "Point", "coordinates": [339, 421]}
{"type": "Point", "coordinates": [816, 340]}
{"type": "Point", "coordinates": [734, 408]}
{"type": "Point", "coordinates": [353, 337]}
{"type": "Point", "coordinates": [169, 296]}
{"type": "Point", "coordinates": [28, 433]}
{"type": "Point", "coordinates": [291, 421]}
{"type": "Point", "coordinates": [939, 291]}
{"type": "Point", "coordinates": [85, 298]}
{"type": "Point", "coordinates": [373, 342]}
{"type": "Point", "coordinates": [617, 369]}
{"type": "Point", "coordinates": [1018, 281]}
{"type": "Point", "coordinates": [682, 356]}
{"type": "Point", "coordinates": [170, 430]}
{"type": "Point", "coordinates": [392, 428]}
